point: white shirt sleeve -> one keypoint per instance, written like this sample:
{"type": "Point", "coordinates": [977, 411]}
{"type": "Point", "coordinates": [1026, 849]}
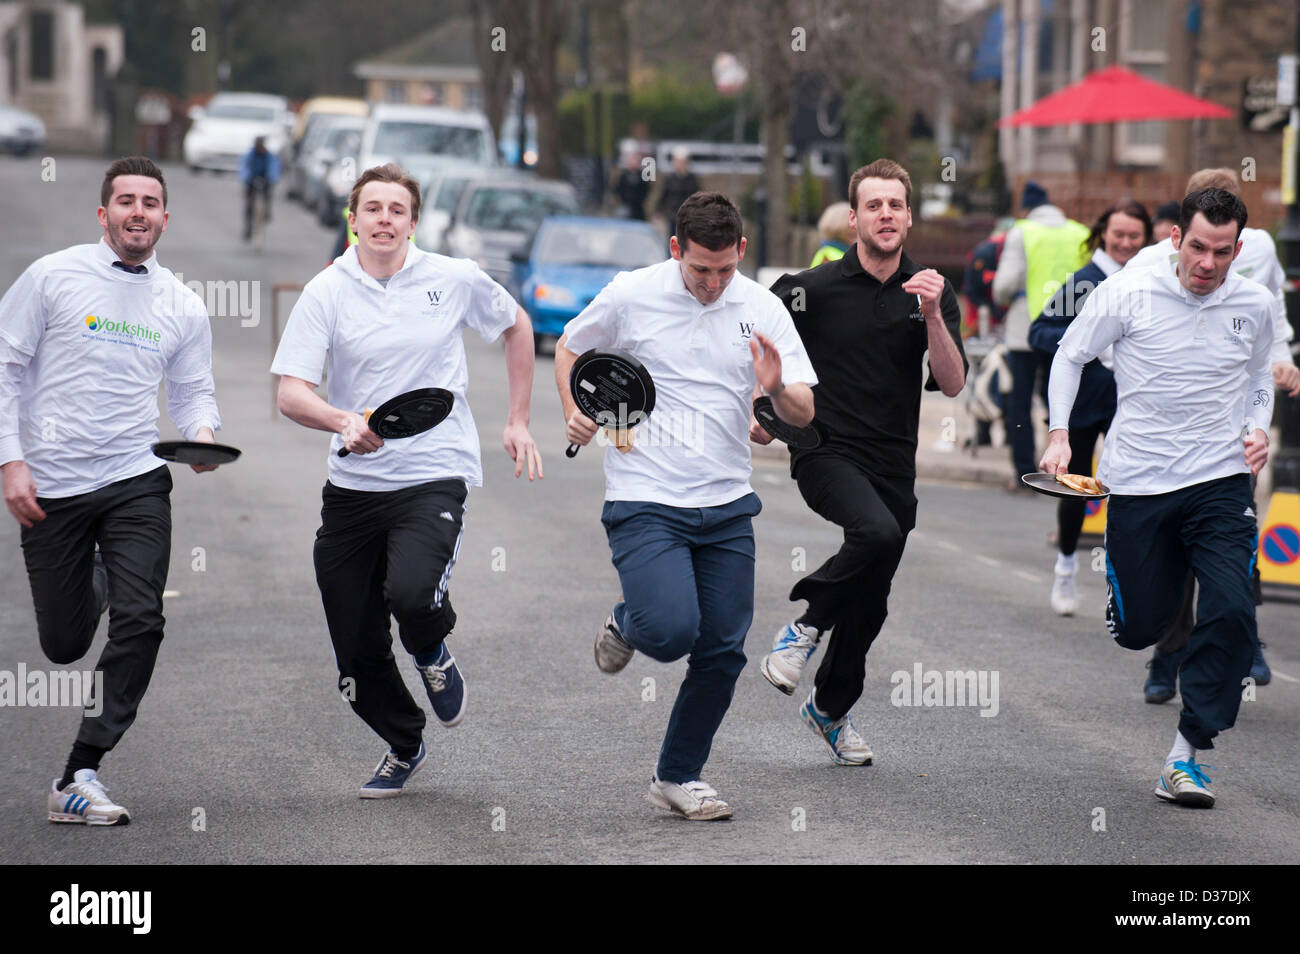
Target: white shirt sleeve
{"type": "Point", "coordinates": [1096, 328]}
{"type": "Point", "coordinates": [1259, 388]}
{"type": "Point", "coordinates": [306, 339]}
{"type": "Point", "coordinates": [13, 363]}
{"type": "Point", "coordinates": [22, 324]}
{"type": "Point", "coordinates": [597, 325]}
{"type": "Point", "coordinates": [191, 394]}
{"type": "Point", "coordinates": [491, 309]}
{"type": "Point", "coordinates": [796, 366]}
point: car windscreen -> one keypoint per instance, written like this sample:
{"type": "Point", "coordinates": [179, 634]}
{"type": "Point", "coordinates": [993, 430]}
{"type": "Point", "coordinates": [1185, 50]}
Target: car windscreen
{"type": "Point", "coordinates": [449, 194]}
{"type": "Point", "coordinates": [594, 245]}
{"type": "Point", "coordinates": [345, 140]}
{"type": "Point", "coordinates": [260, 114]}
{"type": "Point", "coordinates": [515, 210]}
{"type": "Point", "coordinates": [415, 139]}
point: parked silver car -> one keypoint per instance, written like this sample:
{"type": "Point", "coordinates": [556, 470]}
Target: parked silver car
{"type": "Point", "coordinates": [21, 132]}
{"type": "Point", "coordinates": [498, 212]}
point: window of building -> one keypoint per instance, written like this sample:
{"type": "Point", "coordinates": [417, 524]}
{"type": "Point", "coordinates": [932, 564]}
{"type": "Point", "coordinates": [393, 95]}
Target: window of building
{"type": "Point", "coordinates": [473, 95]}
{"type": "Point", "coordinates": [42, 49]}
{"type": "Point", "coordinates": [1143, 50]}
{"type": "Point", "coordinates": [396, 93]}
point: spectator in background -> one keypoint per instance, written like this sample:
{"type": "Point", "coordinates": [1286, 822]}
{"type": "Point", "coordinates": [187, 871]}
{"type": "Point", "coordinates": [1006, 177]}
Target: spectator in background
{"type": "Point", "coordinates": [837, 236]}
{"type": "Point", "coordinates": [1040, 252]}
{"type": "Point", "coordinates": [1116, 237]}
{"type": "Point", "coordinates": [632, 188]}
{"type": "Point", "coordinates": [977, 280]}
{"type": "Point", "coordinates": [258, 170]}
{"type": "Point", "coordinates": [678, 186]}
{"type": "Point", "coordinates": [1166, 218]}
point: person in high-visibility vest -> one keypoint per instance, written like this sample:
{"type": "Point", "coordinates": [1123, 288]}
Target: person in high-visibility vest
{"type": "Point", "coordinates": [1042, 250]}
{"type": "Point", "coordinates": [836, 235]}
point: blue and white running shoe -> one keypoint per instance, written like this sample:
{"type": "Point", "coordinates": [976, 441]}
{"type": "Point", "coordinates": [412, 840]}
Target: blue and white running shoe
{"type": "Point", "coordinates": [1186, 783]}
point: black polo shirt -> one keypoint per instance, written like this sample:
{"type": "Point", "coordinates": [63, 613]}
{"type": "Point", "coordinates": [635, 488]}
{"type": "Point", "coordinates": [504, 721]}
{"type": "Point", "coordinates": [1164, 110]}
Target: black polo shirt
{"type": "Point", "coordinates": [866, 340]}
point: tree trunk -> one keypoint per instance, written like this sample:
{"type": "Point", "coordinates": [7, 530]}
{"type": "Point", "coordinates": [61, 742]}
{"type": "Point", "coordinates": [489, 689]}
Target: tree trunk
{"type": "Point", "coordinates": [496, 67]}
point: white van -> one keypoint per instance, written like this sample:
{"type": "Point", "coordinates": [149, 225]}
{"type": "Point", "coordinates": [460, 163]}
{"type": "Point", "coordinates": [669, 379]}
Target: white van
{"type": "Point", "coordinates": [394, 133]}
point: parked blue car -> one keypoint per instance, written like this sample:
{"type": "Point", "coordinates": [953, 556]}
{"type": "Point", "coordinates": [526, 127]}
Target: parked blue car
{"type": "Point", "coordinates": [570, 259]}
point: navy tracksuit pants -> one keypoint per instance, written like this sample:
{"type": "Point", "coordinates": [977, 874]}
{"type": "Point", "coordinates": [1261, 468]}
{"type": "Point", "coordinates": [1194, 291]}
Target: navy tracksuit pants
{"type": "Point", "coordinates": [1151, 543]}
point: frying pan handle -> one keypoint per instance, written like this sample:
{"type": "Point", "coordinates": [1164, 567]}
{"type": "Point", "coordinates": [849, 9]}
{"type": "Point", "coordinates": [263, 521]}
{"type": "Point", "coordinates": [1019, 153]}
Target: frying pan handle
{"type": "Point", "coordinates": [572, 451]}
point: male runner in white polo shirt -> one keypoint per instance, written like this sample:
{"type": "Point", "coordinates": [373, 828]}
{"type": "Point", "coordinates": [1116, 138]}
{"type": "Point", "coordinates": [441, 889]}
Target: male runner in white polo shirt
{"type": "Point", "coordinates": [1258, 262]}
{"type": "Point", "coordinates": [390, 318]}
{"type": "Point", "coordinates": [1192, 373]}
{"type": "Point", "coordinates": [678, 505]}
{"type": "Point", "coordinates": [86, 335]}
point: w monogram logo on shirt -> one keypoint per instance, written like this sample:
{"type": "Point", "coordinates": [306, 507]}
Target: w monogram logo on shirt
{"type": "Point", "coordinates": [746, 329]}
{"type": "Point", "coordinates": [1237, 325]}
{"type": "Point", "coordinates": [435, 298]}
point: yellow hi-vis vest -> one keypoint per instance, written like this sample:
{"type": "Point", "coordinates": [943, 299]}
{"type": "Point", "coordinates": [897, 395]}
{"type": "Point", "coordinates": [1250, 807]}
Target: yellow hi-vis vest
{"type": "Point", "coordinates": [1052, 254]}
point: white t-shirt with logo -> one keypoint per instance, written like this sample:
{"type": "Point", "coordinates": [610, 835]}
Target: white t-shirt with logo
{"type": "Point", "coordinates": [96, 342]}
{"type": "Point", "coordinates": [383, 340]}
{"type": "Point", "coordinates": [1191, 372]}
{"type": "Point", "coordinates": [1258, 262]}
{"type": "Point", "coordinates": [693, 449]}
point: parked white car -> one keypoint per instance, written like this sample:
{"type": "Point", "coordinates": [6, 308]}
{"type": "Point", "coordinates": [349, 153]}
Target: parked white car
{"type": "Point", "coordinates": [397, 133]}
{"type": "Point", "coordinates": [21, 132]}
{"type": "Point", "coordinates": [225, 130]}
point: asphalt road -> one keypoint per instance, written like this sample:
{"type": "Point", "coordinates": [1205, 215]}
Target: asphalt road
{"type": "Point", "coordinates": [243, 729]}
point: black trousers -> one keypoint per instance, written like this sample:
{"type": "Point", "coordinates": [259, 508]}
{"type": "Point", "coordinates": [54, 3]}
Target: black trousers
{"type": "Point", "coordinates": [1151, 543]}
{"type": "Point", "coordinates": [1070, 510]}
{"type": "Point", "coordinates": [131, 520]}
{"type": "Point", "coordinates": [382, 553]}
{"type": "Point", "coordinates": [850, 591]}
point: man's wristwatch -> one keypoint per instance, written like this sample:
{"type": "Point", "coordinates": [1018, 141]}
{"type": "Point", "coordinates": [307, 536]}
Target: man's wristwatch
{"type": "Point", "coordinates": [779, 389]}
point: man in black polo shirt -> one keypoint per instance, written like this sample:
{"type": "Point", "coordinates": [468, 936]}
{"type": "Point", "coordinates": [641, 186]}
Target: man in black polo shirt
{"type": "Point", "coordinates": [867, 321]}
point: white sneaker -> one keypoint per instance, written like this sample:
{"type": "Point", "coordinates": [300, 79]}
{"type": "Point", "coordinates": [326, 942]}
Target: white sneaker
{"type": "Point", "coordinates": [694, 800]}
{"type": "Point", "coordinates": [1065, 598]}
{"type": "Point", "coordinates": [85, 802]}
{"type": "Point", "coordinates": [791, 650]}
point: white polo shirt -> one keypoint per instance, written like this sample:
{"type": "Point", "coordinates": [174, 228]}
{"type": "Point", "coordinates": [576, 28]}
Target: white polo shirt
{"type": "Point", "coordinates": [383, 340]}
{"type": "Point", "coordinates": [1191, 372]}
{"type": "Point", "coordinates": [83, 348]}
{"type": "Point", "coordinates": [1258, 262]}
{"type": "Point", "coordinates": [693, 449]}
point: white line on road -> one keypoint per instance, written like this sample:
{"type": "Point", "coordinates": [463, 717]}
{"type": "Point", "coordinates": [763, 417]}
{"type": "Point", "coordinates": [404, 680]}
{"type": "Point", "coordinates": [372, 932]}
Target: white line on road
{"type": "Point", "coordinates": [948, 545]}
{"type": "Point", "coordinates": [1282, 675]}
{"type": "Point", "coordinates": [989, 561]}
{"type": "Point", "coordinates": [1026, 575]}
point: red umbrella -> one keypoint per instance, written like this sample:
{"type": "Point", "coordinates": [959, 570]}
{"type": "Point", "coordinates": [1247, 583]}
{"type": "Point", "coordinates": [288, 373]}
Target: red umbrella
{"type": "Point", "coordinates": [1115, 95]}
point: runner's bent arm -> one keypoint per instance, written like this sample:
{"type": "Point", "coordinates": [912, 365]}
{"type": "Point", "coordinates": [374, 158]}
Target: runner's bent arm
{"type": "Point", "coordinates": [518, 441]}
{"type": "Point", "coordinates": [298, 401]}
{"type": "Point", "coordinates": [578, 428]}
{"type": "Point", "coordinates": [1092, 332]}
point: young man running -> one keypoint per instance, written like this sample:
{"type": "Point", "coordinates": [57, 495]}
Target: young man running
{"type": "Point", "coordinates": [678, 505]}
{"type": "Point", "coordinates": [868, 320]}
{"type": "Point", "coordinates": [1191, 347]}
{"type": "Point", "coordinates": [100, 326]}
{"type": "Point", "coordinates": [389, 318]}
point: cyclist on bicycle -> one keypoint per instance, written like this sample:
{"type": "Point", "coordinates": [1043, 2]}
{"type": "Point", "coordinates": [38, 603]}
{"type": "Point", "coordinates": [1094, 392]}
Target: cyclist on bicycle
{"type": "Point", "coordinates": [259, 170]}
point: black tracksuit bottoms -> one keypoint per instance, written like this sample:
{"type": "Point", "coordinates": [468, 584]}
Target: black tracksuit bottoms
{"type": "Point", "coordinates": [379, 553]}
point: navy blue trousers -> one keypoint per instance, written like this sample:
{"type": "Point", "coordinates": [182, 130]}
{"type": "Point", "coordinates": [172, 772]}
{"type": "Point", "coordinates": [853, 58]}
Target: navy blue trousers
{"type": "Point", "coordinates": [688, 590]}
{"type": "Point", "coordinates": [1151, 543]}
